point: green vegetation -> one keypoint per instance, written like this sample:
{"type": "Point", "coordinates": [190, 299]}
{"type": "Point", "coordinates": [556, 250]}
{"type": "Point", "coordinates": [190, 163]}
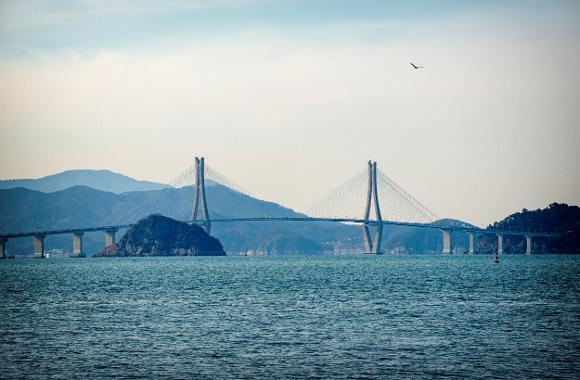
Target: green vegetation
{"type": "Point", "coordinates": [157, 235]}
{"type": "Point", "coordinates": [558, 218]}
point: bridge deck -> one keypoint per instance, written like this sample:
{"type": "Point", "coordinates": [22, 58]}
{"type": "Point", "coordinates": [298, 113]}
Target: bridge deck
{"type": "Point", "coordinates": [282, 219]}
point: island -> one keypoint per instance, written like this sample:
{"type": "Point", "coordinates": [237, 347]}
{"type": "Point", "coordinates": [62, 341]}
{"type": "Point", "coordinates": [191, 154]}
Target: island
{"type": "Point", "coordinates": [157, 235]}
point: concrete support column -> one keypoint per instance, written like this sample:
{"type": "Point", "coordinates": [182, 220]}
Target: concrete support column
{"type": "Point", "coordinates": [77, 245]}
{"type": "Point", "coordinates": [472, 242]}
{"type": "Point", "coordinates": [528, 245]}
{"type": "Point", "coordinates": [499, 244]}
{"type": "Point", "coordinates": [3, 248]}
{"type": "Point", "coordinates": [199, 199]}
{"type": "Point", "coordinates": [373, 246]}
{"type": "Point", "coordinates": [446, 242]}
{"type": "Point", "coordinates": [110, 236]}
{"type": "Point", "coordinates": [38, 246]}
{"type": "Point", "coordinates": [204, 201]}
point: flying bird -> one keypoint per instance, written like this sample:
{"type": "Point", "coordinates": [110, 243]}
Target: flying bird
{"type": "Point", "coordinates": [416, 67]}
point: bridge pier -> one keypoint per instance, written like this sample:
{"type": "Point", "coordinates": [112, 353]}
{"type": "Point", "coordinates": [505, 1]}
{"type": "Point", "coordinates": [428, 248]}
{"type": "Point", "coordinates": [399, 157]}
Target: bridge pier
{"type": "Point", "coordinates": [499, 244]}
{"type": "Point", "coordinates": [77, 245]}
{"type": "Point", "coordinates": [38, 246]}
{"type": "Point", "coordinates": [3, 248]}
{"type": "Point", "coordinates": [473, 242]}
{"type": "Point", "coordinates": [447, 246]}
{"type": "Point", "coordinates": [110, 236]}
{"type": "Point", "coordinates": [528, 245]}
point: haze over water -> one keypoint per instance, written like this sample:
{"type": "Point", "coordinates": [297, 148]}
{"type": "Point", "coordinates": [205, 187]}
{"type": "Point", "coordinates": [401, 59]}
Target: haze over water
{"type": "Point", "coordinates": [291, 317]}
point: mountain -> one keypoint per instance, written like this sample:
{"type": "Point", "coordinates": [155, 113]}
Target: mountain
{"type": "Point", "coordinates": [80, 206]}
{"type": "Point", "coordinates": [24, 210]}
{"type": "Point", "coordinates": [157, 235]}
{"type": "Point", "coordinates": [103, 180]}
{"type": "Point", "coordinates": [558, 218]}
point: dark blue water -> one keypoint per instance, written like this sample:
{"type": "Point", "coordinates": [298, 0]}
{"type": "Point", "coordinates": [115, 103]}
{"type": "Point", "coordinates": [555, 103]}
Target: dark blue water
{"type": "Point", "coordinates": [291, 317]}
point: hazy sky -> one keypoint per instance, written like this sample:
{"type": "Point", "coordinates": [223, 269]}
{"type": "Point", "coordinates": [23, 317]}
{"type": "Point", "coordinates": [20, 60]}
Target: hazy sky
{"type": "Point", "coordinates": [290, 98]}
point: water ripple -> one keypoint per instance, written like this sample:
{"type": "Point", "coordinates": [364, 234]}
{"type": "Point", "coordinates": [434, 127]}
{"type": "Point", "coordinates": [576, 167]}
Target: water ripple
{"type": "Point", "coordinates": [397, 317]}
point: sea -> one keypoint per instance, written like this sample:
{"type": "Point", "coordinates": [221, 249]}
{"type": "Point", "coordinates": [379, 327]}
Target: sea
{"type": "Point", "coordinates": [307, 317]}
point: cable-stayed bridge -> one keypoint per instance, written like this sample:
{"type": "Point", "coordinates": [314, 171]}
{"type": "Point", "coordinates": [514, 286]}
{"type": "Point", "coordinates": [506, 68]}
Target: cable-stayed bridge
{"type": "Point", "coordinates": [369, 199]}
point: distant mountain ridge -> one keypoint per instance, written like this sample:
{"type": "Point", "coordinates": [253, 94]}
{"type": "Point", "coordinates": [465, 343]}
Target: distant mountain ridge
{"type": "Point", "coordinates": [22, 209]}
{"type": "Point", "coordinates": [104, 180]}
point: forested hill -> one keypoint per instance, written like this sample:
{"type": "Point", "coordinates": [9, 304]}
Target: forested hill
{"type": "Point", "coordinates": [157, 235]}
{"type": "Point", "coordinates": [559, 218]}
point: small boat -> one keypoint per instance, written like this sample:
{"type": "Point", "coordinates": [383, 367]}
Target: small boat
{"type": "Point", "coordinates": [496, 259]}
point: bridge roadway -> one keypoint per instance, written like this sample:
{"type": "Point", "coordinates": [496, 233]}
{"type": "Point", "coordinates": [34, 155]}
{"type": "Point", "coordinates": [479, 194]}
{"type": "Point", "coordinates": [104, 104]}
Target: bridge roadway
{"type": "Point", "coordinates": [371, 245]}
{"type": "Point", "coordinates": [285, 219]}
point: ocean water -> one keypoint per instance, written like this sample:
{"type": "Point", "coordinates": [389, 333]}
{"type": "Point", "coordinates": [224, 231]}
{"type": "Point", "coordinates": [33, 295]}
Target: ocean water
{"type": "Point", "coordinates": [328, 317]}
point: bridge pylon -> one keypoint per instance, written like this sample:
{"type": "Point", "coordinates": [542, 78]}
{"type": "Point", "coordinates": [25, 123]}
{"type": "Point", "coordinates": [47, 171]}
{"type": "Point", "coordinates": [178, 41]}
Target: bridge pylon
{"type": "Point", "coordinates": [373, 246]}
{"type": "Point", "coordinates": [199, 199]}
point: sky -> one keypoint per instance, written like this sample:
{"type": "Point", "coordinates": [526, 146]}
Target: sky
{"type": "Point", "coordinates": [291, 98]}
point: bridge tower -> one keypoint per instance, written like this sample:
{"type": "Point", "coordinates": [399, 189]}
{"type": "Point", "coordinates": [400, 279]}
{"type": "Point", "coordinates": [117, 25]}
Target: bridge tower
{"type": "Point", "coordinates": [374, 245]}
{"type": "Point", "coordinates": [199, 195]}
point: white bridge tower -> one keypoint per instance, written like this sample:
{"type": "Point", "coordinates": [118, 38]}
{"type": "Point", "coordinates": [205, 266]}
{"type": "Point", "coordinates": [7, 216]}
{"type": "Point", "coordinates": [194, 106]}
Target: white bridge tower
{"type": "Point", "coordinates": [199, 195]}
{"type": "Point", "coordinates": [374, 245]}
